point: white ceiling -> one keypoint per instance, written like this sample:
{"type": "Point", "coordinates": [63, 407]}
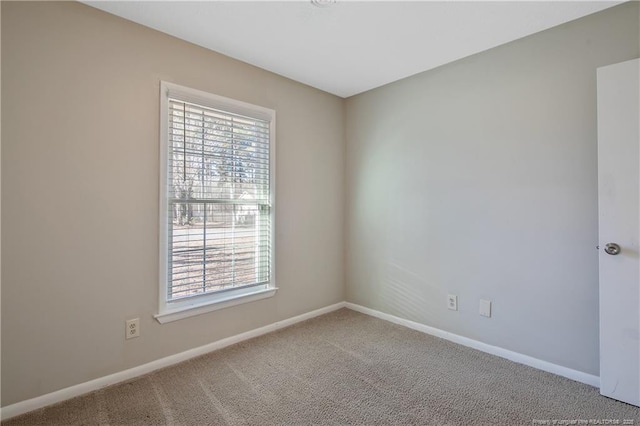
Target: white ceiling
{"type": "Point", "coordinates": [350, 46]}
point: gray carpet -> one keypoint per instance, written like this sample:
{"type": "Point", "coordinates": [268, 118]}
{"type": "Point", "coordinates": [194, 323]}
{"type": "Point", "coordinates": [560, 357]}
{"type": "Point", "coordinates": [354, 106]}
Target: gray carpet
{"type": "Point", "coordinates": [343, 368]}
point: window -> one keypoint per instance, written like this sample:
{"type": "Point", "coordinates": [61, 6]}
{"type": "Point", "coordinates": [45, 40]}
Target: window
{"type": "Point", "coordinates": [216, 202]}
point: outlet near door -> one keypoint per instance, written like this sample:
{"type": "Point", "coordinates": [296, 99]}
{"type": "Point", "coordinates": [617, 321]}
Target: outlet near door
{"type": "Point", "coordinates": [485, 308]}
{"type": "Point", "coordinates": [452, 302]}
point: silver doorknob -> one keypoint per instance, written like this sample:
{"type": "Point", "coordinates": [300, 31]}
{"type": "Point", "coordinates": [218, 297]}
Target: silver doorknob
{"type": "Point", "coordinates": [612, 249]}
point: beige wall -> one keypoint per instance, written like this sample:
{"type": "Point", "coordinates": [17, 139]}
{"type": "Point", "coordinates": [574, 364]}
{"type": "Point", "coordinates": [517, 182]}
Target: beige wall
{"type": "Point", "coordinates": [479, 179]}
{"type": "Point", "coordinates": [80, 194]}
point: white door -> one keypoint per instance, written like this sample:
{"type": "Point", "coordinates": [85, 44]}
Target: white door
{"type": "Point", "coordinates": [619, 218]}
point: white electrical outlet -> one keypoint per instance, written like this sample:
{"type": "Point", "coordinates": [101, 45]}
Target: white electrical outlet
{"type": "Point", "coordinates": [485, 308]}
{"type": "Point", "coordinates": [452, 302]}
{"type": "Point", "coordinates": [132, 328]}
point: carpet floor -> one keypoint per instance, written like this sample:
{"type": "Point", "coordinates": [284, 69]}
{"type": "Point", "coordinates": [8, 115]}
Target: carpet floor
{"type": "Point", "coordinates": [343, 368]}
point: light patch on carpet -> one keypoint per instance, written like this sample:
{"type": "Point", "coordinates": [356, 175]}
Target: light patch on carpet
{"type": "Point", "coordinates": [103, 417]}
{"type": "Point", "coordinates": [229, 418]}
{"type": "Point", "coordinates": [165, 402]}
{"type": "Point", "coordinates": [353, 354]}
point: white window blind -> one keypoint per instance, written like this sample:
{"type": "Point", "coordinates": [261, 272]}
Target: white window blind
{"type": "Point", "coordinates": [218, 199]}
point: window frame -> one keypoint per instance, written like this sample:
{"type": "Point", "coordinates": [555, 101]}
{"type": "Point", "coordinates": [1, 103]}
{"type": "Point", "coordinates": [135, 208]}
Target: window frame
{"type": "Point", "coordinates": [172, 310]}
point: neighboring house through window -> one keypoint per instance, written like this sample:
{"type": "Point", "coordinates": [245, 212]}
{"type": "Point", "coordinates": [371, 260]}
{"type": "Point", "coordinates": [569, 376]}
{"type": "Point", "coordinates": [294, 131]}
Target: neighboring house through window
{"type": "Point", "coordinates": [216, 202]}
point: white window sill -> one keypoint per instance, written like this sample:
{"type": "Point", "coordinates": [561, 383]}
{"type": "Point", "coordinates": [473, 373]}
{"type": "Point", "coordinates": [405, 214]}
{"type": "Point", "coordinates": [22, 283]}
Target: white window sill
{"type": "Point", "coordinates": [185, 311]}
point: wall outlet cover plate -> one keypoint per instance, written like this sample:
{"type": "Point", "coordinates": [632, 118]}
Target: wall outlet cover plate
{"type": "Point", "coordinates": [485, 308]}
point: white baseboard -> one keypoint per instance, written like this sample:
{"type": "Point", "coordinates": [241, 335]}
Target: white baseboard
{"type": "Point", "coordinates": [102, 382]}
{"type": "Point", "coordinates": [569, 373]}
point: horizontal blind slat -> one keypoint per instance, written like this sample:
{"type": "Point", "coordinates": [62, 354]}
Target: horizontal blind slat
{"type": "Point", "coordinates": [223, 158]}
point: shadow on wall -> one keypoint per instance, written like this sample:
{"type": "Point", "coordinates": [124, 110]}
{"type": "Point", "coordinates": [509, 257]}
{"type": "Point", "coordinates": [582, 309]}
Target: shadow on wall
{"type": "Point", "coordinates": [400, 296]}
